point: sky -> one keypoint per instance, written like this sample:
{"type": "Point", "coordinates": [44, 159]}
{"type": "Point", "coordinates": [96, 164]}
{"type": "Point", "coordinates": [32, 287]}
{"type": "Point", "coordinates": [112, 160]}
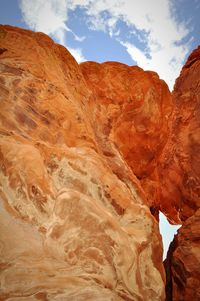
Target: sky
{"type": "Point", "coordinates": [167, 231]}
{"type": "Point", "coordinates": [156, 35]}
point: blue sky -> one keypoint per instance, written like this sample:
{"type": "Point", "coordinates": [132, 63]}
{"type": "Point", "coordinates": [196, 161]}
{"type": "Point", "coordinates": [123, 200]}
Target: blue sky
{"type": "Point", "coordinates": [167, 231]}
{"type": "Point", "coordinates": [157, 35]}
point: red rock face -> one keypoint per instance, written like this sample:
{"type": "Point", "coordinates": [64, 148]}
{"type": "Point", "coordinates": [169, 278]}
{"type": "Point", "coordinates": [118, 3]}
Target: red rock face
{"type": "Point", "coordinates": [73, 219]}
{"type": "Point", "coordinates": [180, 170]}
{"type": "Point", "coordinates": [131, 112]}
{"type": "Point", "coordinates": [159, 138]}
{"type": "Point", "coordinates": [184, 262]}
{"type": "Point", "coordinates": [85, 151]}
{"type": "Point", "coordinates": [183, 183]}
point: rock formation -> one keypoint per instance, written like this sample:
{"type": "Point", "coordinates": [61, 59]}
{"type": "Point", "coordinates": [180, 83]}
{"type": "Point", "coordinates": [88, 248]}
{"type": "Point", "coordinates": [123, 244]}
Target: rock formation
{"type": "Point", "coordinates": [71, 226]}
{"type": "Point", "coordinates": [158, 135]}
{"type": "Point", "coordinates": [89, 154]}
{"type": "Point", "coordinates": [183, 262]}
{"type": "Point", "coordinates": [180, 170]}
{"type": "Point", "coordinates": [181, 180]}
{"type": "Point", "coordinates": [131, 109]}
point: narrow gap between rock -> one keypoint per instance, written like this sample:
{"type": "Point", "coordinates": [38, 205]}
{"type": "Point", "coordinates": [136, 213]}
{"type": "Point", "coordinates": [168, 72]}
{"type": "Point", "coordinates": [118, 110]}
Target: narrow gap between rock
{"type": "Point", "coordinates": [167, 231]}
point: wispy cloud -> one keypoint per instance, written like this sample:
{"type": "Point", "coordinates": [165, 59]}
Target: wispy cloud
{"type": "Point", "coordinates": [79, 39]}
{"type": "Point", "coordinates": [155, 26]}
{"type": "Point", "coordinates": [151, 22]}
{"type": "Point", "coordinates": [77, 53]}
{"type": "Point", "coordinates": [50, 17]}
{"type": "Point", "coordinates": [46, 16]}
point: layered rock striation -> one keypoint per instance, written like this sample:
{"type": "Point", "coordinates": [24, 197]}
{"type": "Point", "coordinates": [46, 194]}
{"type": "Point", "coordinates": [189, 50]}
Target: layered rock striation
{"type": "Point", "coordinates": [89, 154]}
{"type": "Point", "coordinates": [74, 224]}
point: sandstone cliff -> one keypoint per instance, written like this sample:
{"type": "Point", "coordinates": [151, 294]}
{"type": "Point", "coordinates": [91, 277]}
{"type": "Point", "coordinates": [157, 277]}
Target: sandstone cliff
{"type": "Point", "coordinates": [158, 135]}
{"type": "Point", "coordinates": [183, 262]}
{"type": "Point", "coordinates": [71, 226]}
{"type": "Point", "coordinates": [131, 110]}
{"type": "Point", "coordinates": [89, 154]}
{"type": "Point", "coordinates": [181, 177]}
{"type": "Point", "coordinates": [180, 170]}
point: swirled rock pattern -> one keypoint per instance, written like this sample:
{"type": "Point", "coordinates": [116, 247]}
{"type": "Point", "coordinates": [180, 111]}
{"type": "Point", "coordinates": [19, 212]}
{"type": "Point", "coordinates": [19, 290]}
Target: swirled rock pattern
{"type": "Point", "coordinates": [74, 224]}
{"type": "Point", "coordinates": [88, 155]}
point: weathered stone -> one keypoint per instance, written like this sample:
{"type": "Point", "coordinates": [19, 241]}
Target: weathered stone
{"type": "Point", "coordinates": [89, 154]}
{"type": "Point", "coordinates": [181, 183]}
{"type": "Point", "coordinates": [131, 111]}
{"type": "Point", "coordinates": [184, 262]}
{"type": "Point", "coordinates": [73, 224]}
{"type": "Point", "coordinates": [180, 165]}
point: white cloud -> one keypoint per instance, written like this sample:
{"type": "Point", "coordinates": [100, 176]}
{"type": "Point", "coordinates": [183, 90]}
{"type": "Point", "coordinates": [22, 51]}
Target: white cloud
{"type": "Point", "coordinates": [46, 16]}
{"type": "Point", "coordinates": [50, 17]}
{"type": "Point", "coordinates": [135, 53]}
{"type": "Point", "coordinates": [151, 22]}
{"type": "Point", "coordinates": [166, 61]}
{"type": "Point", "coordinates": [154, 25]}
{"type": "Point", "coordinates": [77, 54]}
{"type": "Point", "coordinates": [79, 39]}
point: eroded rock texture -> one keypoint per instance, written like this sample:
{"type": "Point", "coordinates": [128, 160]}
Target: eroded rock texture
{"type": "Point", "coordinates": [184, 262]}
{"type": "Point", "coordinates": [85, 152]}
{"type": "Point", "coordinates": [183, 184]}
{"type": "Point", "coordinates": [73, 219]}
{"type": "Point", "coordinates": [180, 168]}
{"type": "Point", "coordinates": [131, 110]}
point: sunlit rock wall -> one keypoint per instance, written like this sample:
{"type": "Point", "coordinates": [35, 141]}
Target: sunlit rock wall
{"type": "Point", "coordinates": [131, 112]}
{"type": "Point", "coordinates": [74, 224]}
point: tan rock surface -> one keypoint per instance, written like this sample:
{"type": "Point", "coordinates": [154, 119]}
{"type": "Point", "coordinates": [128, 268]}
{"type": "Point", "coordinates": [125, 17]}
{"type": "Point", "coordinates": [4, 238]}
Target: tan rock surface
{"type": "Point", "coordinates": [73, 226]}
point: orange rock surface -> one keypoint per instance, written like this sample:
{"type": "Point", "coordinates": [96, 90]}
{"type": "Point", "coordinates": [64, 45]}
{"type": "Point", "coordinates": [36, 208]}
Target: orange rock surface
{"type": "Point", "coordinates": [74, 224]}
{"type": "Point", "coordinates": [88, 156]}
{"type": "Point", "coordinates": [158, 135]}
{"type": "Point", "coordinates": [185, 262]}
{"type": "Point", "coordinates": [131, 110]}
{"type": "Point", "coordinates": [181, 182]}
{"type": "Point", "coordinates": [180, 169]}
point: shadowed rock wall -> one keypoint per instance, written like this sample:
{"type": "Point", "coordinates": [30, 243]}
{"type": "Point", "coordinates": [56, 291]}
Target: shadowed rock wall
{"type": "Point", "coordinates": [181, 176]}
